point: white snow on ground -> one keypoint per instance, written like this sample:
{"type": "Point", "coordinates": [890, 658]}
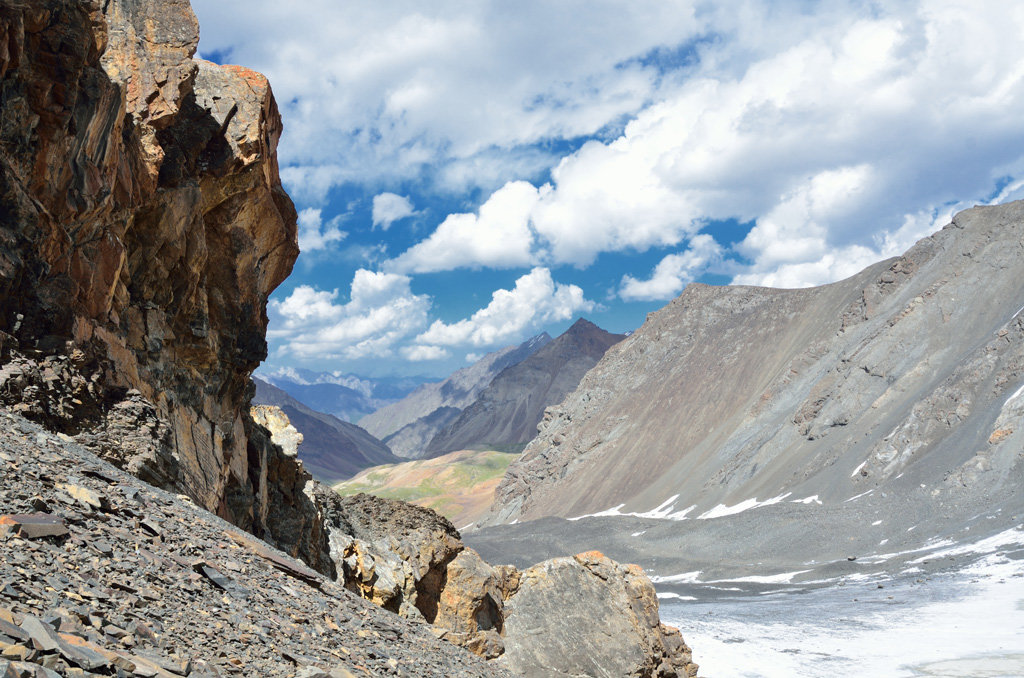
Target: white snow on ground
{"type": "Point", "coordinates": [857, 470]}
{"type": "Point", "coordinates": [813, 499]}
{"type": "Point", "coordinates": [614, 511]}
{"type": "Point", "coordinates": [1016, 395]}
{"type": "Point", "coordinates": [723, 510]}
{"type": "Point", "coordinates": [782, 578]}
{"type": "Point", "coordinates": [877, 522]}
{"type": "Point", "coordinates": [858, 496]}
{"type": "Point", "coordinates": [674, 596]}
{"type": "Point", "coordinates": [665, 511]}
{"type": "Point", "coordinates": [684, 578]}
{"type": "Point", "coordinates": [1013, 538]}
{"type": "Point", "coordinates": [957, 625]}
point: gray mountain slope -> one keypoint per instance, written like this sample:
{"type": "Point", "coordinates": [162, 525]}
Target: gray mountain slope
{"type": "Point", "coordinates": [331, 449]}
{"type": "Point", "coordinates": [904, 380]}
{"type": "Point", "coordinates": [509, 409]}
{"type": "Point", "coordinates": [408, 425]}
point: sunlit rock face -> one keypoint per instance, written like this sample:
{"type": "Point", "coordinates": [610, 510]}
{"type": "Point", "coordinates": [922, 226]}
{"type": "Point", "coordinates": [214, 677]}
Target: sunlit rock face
{"type": "Point", "coordinates": [142, 227]}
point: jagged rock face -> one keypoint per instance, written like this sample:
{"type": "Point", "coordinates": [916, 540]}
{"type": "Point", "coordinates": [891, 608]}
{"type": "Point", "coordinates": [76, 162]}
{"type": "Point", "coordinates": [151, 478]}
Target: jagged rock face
{"type": "Point", "coordinates": [143, 224]}
{"type": "Point", "coordinates": [906, 375]}
{"type": "Point", "coordinates": [408, 426]}
{"type": "Point", "coordinates": [507, 412]}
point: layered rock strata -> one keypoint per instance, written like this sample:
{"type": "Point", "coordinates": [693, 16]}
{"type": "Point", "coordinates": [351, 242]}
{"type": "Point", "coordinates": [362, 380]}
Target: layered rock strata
{"type": "Point", "coordinates": [142, 226]}
{"type": "Point", "coordinates": [408, 426]}
{"type": "Point", "coordinates": [506, 413]}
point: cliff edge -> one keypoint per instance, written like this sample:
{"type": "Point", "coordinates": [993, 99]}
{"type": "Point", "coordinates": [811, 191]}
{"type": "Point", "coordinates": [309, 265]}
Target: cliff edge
{"type": "Point", "coordinates": [142, 227]}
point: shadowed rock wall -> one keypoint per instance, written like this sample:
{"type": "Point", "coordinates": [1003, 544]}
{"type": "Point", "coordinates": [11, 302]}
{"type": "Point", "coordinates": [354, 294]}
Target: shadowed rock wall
{"type": "Point", "coordinates": [142, 227]}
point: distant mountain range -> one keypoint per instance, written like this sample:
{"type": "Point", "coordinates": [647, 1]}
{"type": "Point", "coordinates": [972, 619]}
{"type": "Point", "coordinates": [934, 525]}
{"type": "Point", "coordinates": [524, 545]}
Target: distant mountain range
{"type": "Point", "coordinates": [506, 413]}
{"type": "Point", "coordinates": [409, 425]}
{"type": "Point", "coordinates": [346, 396]}
{"type": "Point", "coordinates": [332, 449]}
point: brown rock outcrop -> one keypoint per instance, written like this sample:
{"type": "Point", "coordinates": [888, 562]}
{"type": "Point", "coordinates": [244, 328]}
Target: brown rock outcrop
{"type": "Point", "coordinates": [581, 616]}
{"type": "Point", "coordinates": [142, 226]}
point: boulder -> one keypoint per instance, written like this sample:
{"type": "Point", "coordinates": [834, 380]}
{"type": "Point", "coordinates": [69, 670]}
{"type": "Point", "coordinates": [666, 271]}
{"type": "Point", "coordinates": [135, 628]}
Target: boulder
{"type": "Point", "coordinates": [589, 616]}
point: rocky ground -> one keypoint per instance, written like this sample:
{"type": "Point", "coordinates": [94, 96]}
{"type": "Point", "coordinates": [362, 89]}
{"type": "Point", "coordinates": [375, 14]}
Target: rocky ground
{"type": "Point", "coordinates": [105, 575]}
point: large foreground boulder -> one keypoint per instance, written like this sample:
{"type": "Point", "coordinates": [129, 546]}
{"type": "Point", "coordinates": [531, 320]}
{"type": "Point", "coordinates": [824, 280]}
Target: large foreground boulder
{"type": "Point", "coordinates": [590, 616]}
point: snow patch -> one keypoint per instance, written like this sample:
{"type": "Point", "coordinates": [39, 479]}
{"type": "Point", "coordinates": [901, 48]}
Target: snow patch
{"type": "Point", "coordinates": [813, 499]}
{"type": "Point", "coordinates": [684, 578]}
{"type": "Point", "coordinates": [858, 469]}
{"type": "Point", "coordinates": [664, 511]}
{"type": "Point", "coordinates": [877, 522]}
{"type": "Point", "coordinates": [614, 511]}
{"type": "Point", "coordinates": [637, 534]}
{"type": "Point", "coordinates": [1014, 537]}
{"type": "Point", "coordinates": [723, 510]}
{"type": "Point", "coordinates": [1016, 395]}
{"type": "Point", "coordinates": [674, 596]}
{"type": "Point", "coordinates": [858, 496]}
{"type": "Point", "coordinates": [781, 578]}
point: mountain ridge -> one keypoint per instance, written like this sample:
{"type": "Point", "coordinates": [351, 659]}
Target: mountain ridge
{"type": "Point", "coordinates": [408, 426]}
{"type": "Point", "coordinates": [728, 394]}
{"type": "Point", "coordinates": [507, 412]}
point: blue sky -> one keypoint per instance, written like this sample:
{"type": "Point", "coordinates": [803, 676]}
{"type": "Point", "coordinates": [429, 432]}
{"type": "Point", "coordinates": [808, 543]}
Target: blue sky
{"type": "Point", "coordinates": [471, 173]}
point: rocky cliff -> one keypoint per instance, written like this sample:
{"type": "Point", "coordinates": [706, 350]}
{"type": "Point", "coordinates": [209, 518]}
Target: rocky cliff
{"type": "Point", "coordinates": [408, 426]}
{"type": "Point", "coordinates": [904, 379]}
{"type": "Point", "coordinates": [506, 413]}
{"type": "Point", "coordinates": [332, 449]}
{"type": "Point", "coordinates": [142, 226]}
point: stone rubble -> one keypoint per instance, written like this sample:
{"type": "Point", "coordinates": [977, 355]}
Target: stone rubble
{"type": "Point", "coordinates": [103, 575]}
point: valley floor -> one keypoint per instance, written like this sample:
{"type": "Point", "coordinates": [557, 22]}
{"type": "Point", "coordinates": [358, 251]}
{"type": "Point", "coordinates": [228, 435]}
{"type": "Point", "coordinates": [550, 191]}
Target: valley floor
{"type": "Point", "coordinates": [950, 625]}
{"type": "Point", "coordinates": [910, 584]}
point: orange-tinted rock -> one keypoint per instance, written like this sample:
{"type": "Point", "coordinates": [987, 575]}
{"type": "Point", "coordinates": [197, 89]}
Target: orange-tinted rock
{"type": "Point", "coordinates": [143, 224]}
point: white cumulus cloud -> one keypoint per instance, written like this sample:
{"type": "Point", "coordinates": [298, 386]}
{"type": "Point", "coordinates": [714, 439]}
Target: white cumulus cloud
{"type": "Point", "coordinates": [673, 272]}
{"type": "Point", "coordinates": [423, 353]}
{"type": "Point", "coordinates": [536, 299]}
{"type": "Point", "coordinates": [381, 312]}
{"type": "Point", "coordinates": [824, 128]}
{"type": "Point", "coordinates": [389, 208]}
{"type": "Point", "coordinates": [387, 89]}
{"type": "Point", "coordinates": [498, 236]}
{"type": "Point", "coordinates": [314, 234]}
